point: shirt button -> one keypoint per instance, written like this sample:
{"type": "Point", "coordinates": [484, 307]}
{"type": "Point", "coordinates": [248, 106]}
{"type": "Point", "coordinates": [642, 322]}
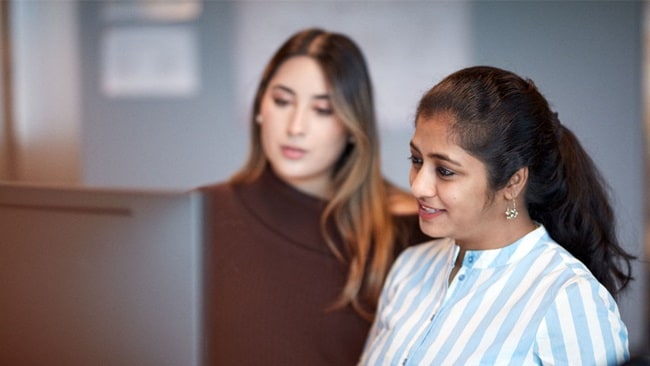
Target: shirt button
{"type": "Point", "coordinates": [470, 259]}
{"type": "Point", "coordinates": [461, 277]}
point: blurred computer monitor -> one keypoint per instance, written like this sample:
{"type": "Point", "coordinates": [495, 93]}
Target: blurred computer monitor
{"type": "Point", "coordinates": [99, 277]}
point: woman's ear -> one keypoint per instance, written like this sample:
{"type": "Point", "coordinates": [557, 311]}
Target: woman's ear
{"type": "Point", "coordinates": [517, 183]}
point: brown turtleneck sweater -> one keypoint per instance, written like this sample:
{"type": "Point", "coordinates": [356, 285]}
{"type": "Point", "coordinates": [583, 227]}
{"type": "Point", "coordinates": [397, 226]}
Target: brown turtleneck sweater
{"type": "Point", "coordinates": [269, 277]}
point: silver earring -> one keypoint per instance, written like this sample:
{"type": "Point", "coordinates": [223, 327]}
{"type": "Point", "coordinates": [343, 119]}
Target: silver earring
{"type": "Point", "coordinates": [511, 213]}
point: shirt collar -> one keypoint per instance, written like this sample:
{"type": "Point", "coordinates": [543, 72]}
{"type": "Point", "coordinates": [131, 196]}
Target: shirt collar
{"type": "Point", "coordinates": [512, 253]}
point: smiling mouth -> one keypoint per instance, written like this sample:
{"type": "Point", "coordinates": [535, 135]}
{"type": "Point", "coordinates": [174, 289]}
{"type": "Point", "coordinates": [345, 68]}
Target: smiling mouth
{"type": "Point", "coordinates": [428, 209]}
{"type": "Point", "coordinates": [429, 213]}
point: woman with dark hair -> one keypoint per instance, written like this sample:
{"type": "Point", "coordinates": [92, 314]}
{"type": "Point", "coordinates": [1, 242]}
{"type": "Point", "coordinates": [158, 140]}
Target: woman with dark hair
{"type": "Point", "coordinates": [530, 262]}
{"type": "Point", "coordinates": [302, 237]}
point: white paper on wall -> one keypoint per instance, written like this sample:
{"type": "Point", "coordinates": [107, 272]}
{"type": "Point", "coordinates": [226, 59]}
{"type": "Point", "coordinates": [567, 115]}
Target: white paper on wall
{"type": "Point", "coordinates": [150, 61]}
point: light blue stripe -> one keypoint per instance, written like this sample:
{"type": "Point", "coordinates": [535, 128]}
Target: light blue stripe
{"type": "Point", "coordinates": [471, 276]}
{"type": "Point", "coordinates": [602, 313]}
{"type": "Point", "coordinates": [528, 338]}
{"type": "Point", "coordinates": [512, 284]}
{"type": "Point", "coordinates": [559, 351]}
{"type": "Point", "coordinates": [578, 312]}
{"type": "Point", "coordinates": [416, 261]}
{"type": "Point", "coordinates": [512, 322]}
{"type": "Point", "coordinates": [438, 273]}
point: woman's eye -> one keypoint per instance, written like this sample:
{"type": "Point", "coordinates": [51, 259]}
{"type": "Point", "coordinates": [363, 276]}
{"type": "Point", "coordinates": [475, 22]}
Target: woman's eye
{"type": "Point", "coordinates": [444, 172]}
{"type": "Point", "coordinates": [415, 160]}
{"type": "Point", "coordinates": [324, 111]}
{"type": "Point", "coordinates": [280, 102]}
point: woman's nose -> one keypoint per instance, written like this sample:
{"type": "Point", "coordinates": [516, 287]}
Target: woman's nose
{"type": "Point", "coordinates": [422, 183]}
{"type": "Point", "coordinates": [298, 123]}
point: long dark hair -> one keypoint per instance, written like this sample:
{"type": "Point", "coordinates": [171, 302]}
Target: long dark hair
{"type": "Point", "coordinates": [504, 121]}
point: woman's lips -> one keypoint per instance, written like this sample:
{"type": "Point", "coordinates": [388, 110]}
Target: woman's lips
{"type": "Point", "coordinates": [427, 212]}
{"type": "Point", "coordinates": [293, 153]}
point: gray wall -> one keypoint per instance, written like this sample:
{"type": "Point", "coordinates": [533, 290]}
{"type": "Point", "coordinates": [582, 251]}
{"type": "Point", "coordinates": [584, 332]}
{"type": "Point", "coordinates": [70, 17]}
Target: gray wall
{"type": "Point", "coordinates": [161, 142]}
{"type": "Point", "coordinates": [585, 56]}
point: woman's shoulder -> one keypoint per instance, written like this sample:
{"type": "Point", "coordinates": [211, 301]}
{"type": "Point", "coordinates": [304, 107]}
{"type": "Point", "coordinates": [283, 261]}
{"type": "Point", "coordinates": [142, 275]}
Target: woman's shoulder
{"type": "Point", "coordinates": [216, 194]}
{"type": "Point", "coordinates": [559, 257]}
{"type": "Point", "coordinates": [215, 188]}
{"type": "Point", "coordinates": [563, 270]}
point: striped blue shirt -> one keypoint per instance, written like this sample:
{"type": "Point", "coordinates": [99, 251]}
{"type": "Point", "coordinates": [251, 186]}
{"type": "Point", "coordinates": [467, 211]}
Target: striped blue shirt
{"type": "Point", "coordinates": [529, 303]}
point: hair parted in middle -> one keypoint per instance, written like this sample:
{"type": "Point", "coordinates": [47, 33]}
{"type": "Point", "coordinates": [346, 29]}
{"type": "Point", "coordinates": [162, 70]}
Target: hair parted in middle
{"type": "Point", "coordinates": [359, 207]}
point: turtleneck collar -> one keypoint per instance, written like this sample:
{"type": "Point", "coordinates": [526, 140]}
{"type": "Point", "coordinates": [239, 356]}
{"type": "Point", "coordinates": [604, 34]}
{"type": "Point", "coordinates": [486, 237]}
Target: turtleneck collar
{"type": "Point", "coordinates": [285, 210]}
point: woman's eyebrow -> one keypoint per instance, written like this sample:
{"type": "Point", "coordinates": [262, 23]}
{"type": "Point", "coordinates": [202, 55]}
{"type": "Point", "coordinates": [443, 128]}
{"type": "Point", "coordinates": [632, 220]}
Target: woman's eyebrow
{"type": "Point", "coordinates": [290, 91]}
{"type": "Point", "coordinates": [321, 97]}
{"type": "Point", "coordinates": [284, 88]}
{"type": "Point", "coordinates": [413, 146]}
{"type": "Point", "coordinates": [439, 156]}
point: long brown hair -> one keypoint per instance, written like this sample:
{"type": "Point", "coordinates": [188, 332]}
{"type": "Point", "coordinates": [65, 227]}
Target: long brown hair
{"type": "Point", "coordinates": [359, 207]}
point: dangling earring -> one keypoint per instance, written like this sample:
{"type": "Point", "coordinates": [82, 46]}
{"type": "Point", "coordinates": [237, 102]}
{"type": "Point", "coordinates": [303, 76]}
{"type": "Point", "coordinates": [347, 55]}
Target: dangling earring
{"type": "Point", "coordinates": [258, 118]}
{"type": "Point", "coordinates": [511, 213]}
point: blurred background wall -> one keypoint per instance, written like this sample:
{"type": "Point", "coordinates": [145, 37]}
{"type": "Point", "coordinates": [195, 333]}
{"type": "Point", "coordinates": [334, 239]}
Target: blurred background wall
{"type": "Point", "coordinates": [156, 95]}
